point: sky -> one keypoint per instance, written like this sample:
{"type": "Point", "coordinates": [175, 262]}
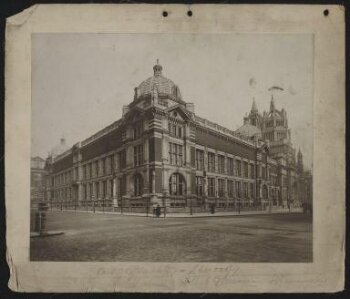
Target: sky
{"type": "Point", "coordinates": [80, 82]}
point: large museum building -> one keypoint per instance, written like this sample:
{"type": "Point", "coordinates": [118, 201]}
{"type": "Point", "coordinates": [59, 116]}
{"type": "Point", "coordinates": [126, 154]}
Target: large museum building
{"type": "Point", "coordinates": [161, 152]}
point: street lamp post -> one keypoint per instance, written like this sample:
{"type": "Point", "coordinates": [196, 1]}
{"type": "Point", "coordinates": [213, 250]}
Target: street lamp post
{"type": "Point", "coordinates": [191, 212]}
{"type": "Point", "coordinates": [93, 203]}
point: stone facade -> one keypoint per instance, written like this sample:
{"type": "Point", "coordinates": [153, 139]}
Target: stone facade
{"type": "Point", "coordinates": [161, 152]}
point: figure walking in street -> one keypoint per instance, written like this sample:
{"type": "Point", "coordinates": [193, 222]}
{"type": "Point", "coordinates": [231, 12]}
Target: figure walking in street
{"type": "Point", "coordinates": [158, 211]}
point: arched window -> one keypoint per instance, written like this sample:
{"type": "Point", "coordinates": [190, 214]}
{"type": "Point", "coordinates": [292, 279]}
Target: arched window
{"type": "Point", "coordinates": [138, 185]}
{"type": "Point", "coordinates": [177, 184]}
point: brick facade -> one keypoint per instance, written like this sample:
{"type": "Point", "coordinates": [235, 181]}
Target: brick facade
{"type": "Point", "coordinates": [161, 152]}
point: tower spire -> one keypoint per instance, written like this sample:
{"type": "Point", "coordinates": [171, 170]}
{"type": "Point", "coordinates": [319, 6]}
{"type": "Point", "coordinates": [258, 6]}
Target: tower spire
{"type": "Point", "coordinates": [254, 107]}
{"type": "Point", "coordinates": [272, 103]}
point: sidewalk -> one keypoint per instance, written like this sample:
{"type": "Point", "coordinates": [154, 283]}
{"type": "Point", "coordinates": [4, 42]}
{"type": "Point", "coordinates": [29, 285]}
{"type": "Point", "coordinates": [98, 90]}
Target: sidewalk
{"type": "Point", "coordinates": [195, 215]}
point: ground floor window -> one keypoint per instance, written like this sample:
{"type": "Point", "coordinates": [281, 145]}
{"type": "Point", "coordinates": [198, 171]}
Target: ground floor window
{"type": "Point", "coordinates": [221, 187]}
{"type": "Point", "coordinates": [199, 186]}
{"type": "Point", "coordinates": [104, 189]}
{"type": "Point", "coordinates": [138, 185]}
{"type": "Point", "coordinates": [230, 188]}
{"type": "Point", "coordinates": [238, 189]}
{"type": "Point", "coordinates": [177, 185]}
{"type": "Point", "coordinates": [122, 186]}
{"type": "Point", "coordinates": [245, 190]}
{"type": "Point", "coordinates": [211, 187]}
{"type": "Point", "coordinates": [252, 193]}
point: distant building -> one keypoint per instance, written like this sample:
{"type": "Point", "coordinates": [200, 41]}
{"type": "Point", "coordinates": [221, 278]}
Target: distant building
{"type": "Point", "coordinates": [37, 177]}
{"type": "Point", "coordinates": [161, 152]}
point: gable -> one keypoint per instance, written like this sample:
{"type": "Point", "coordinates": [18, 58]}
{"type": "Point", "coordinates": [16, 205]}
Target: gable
{"type": "Point", "coordinates": [178, 113]}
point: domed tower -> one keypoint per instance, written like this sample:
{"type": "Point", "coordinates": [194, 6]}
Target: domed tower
{"type": "Point", "coordinates": [158, 89]}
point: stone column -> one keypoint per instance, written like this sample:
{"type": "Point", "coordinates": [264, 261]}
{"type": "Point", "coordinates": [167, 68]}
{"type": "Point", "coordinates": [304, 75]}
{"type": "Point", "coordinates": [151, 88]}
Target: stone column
{"type": "Point", "coordinates": [80, 193]}
{"type": "Point", "coordinates": [153, 182]}
{"type": "Point", "coordinates": [114, 195]}
{"type": "Point", "coordinates": [225, 193]}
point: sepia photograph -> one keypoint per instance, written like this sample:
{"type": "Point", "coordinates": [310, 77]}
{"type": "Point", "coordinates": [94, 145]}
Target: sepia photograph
{"type": "Point", "coordinates": [172, 147]}
{"type": "Point", "coordinates": [175, 148]}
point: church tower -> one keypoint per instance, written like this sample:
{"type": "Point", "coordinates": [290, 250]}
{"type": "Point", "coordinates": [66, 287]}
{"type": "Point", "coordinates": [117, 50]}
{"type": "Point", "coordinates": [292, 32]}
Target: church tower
{"type": "Point", "coordinates": [254, 118]}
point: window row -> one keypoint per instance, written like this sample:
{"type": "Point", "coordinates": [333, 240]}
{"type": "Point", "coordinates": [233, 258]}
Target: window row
{"type": "Point", "coordinates": [62, 178]}
{"type": "Point", "coordinates": [100, 190]}
{"type": "Point", "coordinates": [175, 130]}
{"type": "Point", "coordinates": [101, 167]}
{"type": "Point", "coordinates": [225, 165]}
{"type": "Point", "coordinates": [233, 188]}
{"type": "Point", "coordinates": [62, 194]}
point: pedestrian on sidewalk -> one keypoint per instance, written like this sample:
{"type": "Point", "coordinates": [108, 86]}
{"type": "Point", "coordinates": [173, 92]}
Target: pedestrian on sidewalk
{"type": "Point", "coordinates": [158, 211]}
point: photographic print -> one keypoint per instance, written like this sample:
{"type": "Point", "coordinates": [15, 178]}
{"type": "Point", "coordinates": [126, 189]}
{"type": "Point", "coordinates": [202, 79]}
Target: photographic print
{"type": "Point", "coordinates": [172, 147]}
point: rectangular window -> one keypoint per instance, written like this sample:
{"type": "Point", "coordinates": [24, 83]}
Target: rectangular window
{"type": "Point", "coordinates": [137, 131]}
{"type": "Point", "coordinates": [252, 171]}
{"type": "Point", "coordinates": [104, 188]}
{"type": "Point", "coordinates": [230, 166]}
{"type": "Point", "coordinates": [138, 155]}
{"type": "Point", "coordinates": [97, 168]}
{"type": "Point", "coordinates": [199, 186]}
{"type": "Point", "coordinates": [91, 190]}
{"type": "Point", "coordinates": [211, 187]}
{"type": "Point", "coordinates": [230, 189]}
{"type": "Point", "coordinates": [97, 190]}
{"type": "Point", "coordinates": [221, 164]}
{"type": "Point", "coordinates": [103, 168]}
{"type": "Point", "coordinates": [221, 187]}
{"type": "Point", "coordinates": [175, 154]}
{"type": "Point", "coordinates": [112, 163]}
{"type": "Point", "coordinates": [211, 162]}
{"type": "Point", "coordinates": [238, 189]}
{"type": "Point", "coordinates": [199, 160]}
{"type": "Point", "coordinates": [108, 165]}
{"type": "Point", "coordinates": [238, 168]}
{"type": "Point", "coordinates": [245, 169]}
{"type": "Point", "coordinates": [179, 132]}
{"type": "Point", "coordinates": [245, 190]}
{"type": "Point", "coordinates": [252, 190]}
{"type": "Point", "coordinates": [175, 130]}
{"type": "Point", "coordinates": [122, 159]}
{"type": "Point", "coordinates": [122, 186]}
{"type": "Point", "coordinates": [84, 172]}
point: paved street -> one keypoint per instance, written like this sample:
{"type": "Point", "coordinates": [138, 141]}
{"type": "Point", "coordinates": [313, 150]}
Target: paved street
{"type": "Point", "coordinates": [108, 237]}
